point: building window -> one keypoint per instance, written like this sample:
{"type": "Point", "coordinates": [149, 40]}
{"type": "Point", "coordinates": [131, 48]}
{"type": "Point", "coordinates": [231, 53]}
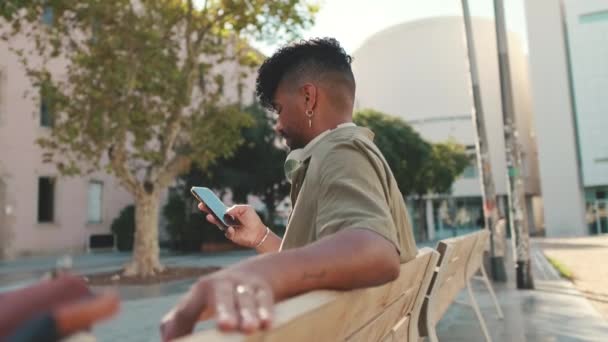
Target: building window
{"type": "Point", "coordinates": [46, 117]}
{"type": "Point", "coordinates": [597, 160]}
{"type": "Point", "coordinates": [95, 196]}
{"type": "Point", "coordinates": [48, 15]}
{"type": "Point", "coordinates": [471, 171]}
{"type": "Point", "coordinates": [46, 199]}
{"type": "Point", "coordinates": [593, 17]}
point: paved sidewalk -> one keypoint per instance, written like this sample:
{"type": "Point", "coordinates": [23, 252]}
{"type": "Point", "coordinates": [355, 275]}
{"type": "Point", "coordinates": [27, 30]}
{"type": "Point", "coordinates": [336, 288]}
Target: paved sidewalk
{"type": "Point", "coordinates": [587, 259]}
{"type": "Point", "coordinates": [18, 273]}
{"type": "Point", "coordinates": [554, 311]}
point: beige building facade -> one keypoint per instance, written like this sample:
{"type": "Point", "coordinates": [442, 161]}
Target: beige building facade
{"type": "Point", "coordinates": [568, 42]}
{"type": "Point", "coordinates": [418, 71]}
{"type": "Point", "coordinates": [42, 212]}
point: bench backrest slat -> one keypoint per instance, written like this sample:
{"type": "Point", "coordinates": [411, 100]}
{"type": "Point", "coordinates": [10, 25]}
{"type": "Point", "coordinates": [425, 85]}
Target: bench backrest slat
{"type": "Point", "coordinates": [476, 258]}
{"type": "Point", "coordinates": [454, 261]}
{"type": "Point", "coordinates": [460, 257]}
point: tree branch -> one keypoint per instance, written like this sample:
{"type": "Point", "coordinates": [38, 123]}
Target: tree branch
{"type": "Point", "coordinates": [203, 31]}
{"type": "Point", "coordinates": [178, 165]}
{"type": "Point", "coordinates": [174, 167]}
{"type": "Point", "coordinates": [189, 51]}
{"type": "Point", "coordinates": [118, 160]}
{"type": "Point", "coordinates": [171, 133]}
{"type": "Point", "coordinates": [190, 68]}
{"type": "Point", "coordinates": [117, 153]}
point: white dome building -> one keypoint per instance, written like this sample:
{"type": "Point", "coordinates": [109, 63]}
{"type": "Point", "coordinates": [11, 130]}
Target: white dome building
{"type": "Point", "coordinates": [419, 71]}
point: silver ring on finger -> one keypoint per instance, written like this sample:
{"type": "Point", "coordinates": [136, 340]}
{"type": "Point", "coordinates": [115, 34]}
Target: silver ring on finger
{"type": "Point", "coordinates": [243, 289]}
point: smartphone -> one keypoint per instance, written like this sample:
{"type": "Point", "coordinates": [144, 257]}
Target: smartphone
{"type": "Point", "coordinates": [215, 205]}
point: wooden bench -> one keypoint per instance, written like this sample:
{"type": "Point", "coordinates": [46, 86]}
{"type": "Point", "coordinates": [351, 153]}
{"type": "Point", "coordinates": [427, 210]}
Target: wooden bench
{"type": "Point", "coordinates": [384, 313]}
{"type": "Point", "coordinates": [460, 260]}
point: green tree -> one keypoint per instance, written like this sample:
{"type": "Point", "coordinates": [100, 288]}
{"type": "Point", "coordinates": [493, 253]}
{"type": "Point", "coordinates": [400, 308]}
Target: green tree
{"type": "Point", "coordinates": [142, 94]}
{"type": "Point", "coordinates": [255, 168]}
{"type": "Point", "coordinates": [187, 228]}
{"type": "Point", "coordinates": [403, 148]}
{"type": "Point", "coordinates": [419, 167]}
{"type": "Point", "coordinates": [446, 163]}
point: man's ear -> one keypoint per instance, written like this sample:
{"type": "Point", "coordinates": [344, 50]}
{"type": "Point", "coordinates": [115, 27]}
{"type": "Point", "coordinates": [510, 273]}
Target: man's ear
{"type": "Point", "coordinates": [309, 92]}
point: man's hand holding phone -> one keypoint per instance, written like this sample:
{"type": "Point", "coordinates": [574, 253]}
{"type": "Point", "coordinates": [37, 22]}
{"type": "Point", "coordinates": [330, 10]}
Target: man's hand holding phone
{"type": "Point", "coordinates": [251, 229]}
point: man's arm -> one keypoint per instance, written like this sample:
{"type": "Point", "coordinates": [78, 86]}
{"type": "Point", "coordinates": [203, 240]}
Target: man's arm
{"type": "Point", "coordinates": [241, 296]}
{"type": "Point", "coordinates": [349, 259]}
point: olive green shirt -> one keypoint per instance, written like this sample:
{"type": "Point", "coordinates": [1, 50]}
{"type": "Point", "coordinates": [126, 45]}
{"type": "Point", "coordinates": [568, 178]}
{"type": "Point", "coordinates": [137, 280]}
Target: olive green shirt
{"type": "Point", "coordinates": [344, 182]}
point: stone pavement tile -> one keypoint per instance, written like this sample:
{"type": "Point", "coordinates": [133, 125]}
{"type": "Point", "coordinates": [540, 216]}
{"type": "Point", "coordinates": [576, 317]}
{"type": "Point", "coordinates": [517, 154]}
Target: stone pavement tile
{"type": "Point", "coordinates": [585, 258]}
{"type": "Point", "coordinates": [19, 273]}
{"type": "Point", "coordinates": [554, 311]}
{"type": "Point", "coordinates": [137, 321]}
{"type": "Point", "coordinates": [93, 261]}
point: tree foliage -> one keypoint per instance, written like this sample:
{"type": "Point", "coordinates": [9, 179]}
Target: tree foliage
{"type": "Point", "coordinates": [419, 167]}
{"type": "Point", "coordinates": [140, 88]}
{"type": "Point", "coordinates": [255, 168]}
{"type": "Point", "coordinates": [447, 162]}
{"type": "Point", "coordinates": [403, 148]}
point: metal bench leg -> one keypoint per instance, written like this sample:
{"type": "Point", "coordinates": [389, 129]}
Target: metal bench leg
{"type": "Point", "coordinates": [432, 334]}
{"type": "Point", "coordinates": [491, 290]}
{"type": "Point", "coordinates": [482, 322]}
{"type": "Point", "coordinates": [431, 327]}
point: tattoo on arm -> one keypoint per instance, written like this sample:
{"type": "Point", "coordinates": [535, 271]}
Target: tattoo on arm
{"type": "Point", "coordinates": [315, 275]}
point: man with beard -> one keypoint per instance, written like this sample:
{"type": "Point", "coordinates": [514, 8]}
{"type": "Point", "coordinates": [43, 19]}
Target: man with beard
{"type": "Point", "coordinates": [349, 227]}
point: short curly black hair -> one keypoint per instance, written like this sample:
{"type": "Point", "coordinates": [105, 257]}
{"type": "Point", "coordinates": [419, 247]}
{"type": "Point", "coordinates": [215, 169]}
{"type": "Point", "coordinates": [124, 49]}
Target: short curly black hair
{"type": "Point", "coordinates": [311, 57]}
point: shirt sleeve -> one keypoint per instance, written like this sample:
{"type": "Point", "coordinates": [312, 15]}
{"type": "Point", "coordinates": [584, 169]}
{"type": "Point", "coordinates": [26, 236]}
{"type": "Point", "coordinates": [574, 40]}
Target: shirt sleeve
{"type": "Point", "coordinates": [352, 194]}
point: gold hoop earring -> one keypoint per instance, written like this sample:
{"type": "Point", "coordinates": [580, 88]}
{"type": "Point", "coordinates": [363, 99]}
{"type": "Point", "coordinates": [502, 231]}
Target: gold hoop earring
{"type": "Point", "coordinates": [309, 113]}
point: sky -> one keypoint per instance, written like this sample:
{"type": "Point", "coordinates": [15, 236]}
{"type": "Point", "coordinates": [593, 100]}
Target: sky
{"type": "Point", "coordinates": [351, 22]}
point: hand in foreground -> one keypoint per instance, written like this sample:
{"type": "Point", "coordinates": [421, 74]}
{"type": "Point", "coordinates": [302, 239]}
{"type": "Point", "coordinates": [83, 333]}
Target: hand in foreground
{"type": "Point", "coordinates": [239, 301]}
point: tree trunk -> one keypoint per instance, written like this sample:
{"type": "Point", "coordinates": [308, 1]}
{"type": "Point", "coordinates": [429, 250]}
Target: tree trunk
{"type": "Point", "coordinates": [145, 247]}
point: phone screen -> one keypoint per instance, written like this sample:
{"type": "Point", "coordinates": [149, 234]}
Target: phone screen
{"type": "Point", "coordinates": [215, 205]}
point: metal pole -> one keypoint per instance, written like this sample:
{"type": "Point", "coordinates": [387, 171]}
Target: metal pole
{"type": "Point", "coordinates": [516, 189]}
{"type": "Point", "coordinates": [488, 189]}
